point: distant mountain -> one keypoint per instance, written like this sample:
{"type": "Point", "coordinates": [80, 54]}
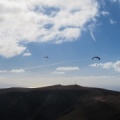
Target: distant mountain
{"type": "Point", "coordinates": [59, 103]}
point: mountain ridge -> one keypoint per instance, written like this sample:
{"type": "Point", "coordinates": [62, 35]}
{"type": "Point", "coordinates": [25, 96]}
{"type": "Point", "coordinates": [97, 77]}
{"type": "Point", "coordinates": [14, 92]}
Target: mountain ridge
{"type": "Point", "coordinates": [59, 102]}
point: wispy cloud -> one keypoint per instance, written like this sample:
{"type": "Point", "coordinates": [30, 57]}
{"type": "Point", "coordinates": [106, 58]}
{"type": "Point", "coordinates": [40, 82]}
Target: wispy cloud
{"type": "Point", "coordinates": [108, 65]}
{"type": "Point", "coordinates": [27, 54]}
{"type": "Point", "coordinates": [92, 35]}
{"type": "Point", "coordinates": [113, 21]}
{"type": "Point", "coordinates": [3, 71]}
{"type": "Point", "coordinates": [58, 72]}
{"type": "Point", "coordinates": [53, 64]}
{"type": "Point", "coordinates": [67, 68]}
{"type": "Point", "coordinates": [17, 71]}
{"type": "Point", "coordinates": [13, 71]}
{"type": "Point", "coordinates": [54, 21]}
{"type": "Point", "coordinates": [105, 13]}
{"type": "Point", "coordinates": [63, 70]}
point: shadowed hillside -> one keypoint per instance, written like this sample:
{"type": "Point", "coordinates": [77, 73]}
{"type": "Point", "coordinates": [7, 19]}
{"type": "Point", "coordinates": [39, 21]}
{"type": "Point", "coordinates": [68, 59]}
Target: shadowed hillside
{"type": "Point", "coordinates": [59, 103]}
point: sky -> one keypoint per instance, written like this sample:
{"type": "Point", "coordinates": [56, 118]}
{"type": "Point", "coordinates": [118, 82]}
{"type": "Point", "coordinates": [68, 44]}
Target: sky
{"type": "Point", "coordinates": [70, 33]}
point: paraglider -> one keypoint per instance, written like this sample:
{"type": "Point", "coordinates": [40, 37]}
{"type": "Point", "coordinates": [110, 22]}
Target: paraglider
{"type": "Point", "coordinates": [96, 57]}
{"type": "Point", "coordinates": [46, 57]}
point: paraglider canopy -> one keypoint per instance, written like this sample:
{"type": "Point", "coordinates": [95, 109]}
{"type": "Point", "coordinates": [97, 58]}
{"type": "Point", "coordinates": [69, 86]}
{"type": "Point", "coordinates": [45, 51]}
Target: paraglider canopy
{"type": "Point", "coordinates": [96, 57]}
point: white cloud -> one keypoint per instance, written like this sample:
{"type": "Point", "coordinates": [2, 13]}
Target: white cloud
{"type": "Point", "coordinates": [62, 70]}
{"type": "Point", "coordinates": [67, 68]}
{"type": "Point", "coordinates": [93, 65]}
{"type": "Point", "coordinates": [112, 21]}
{"type": "Point", "coordinates": [105, 13]}
{"type": "Point", "coordinates": [116, 66]}
{"type": "Point", "coordinates": [3, 71]}
{"type": "Point", "coordinates": [57, 21]}
{"type": "Point", "coordinates": [108, 65]}
{"type": "Point", "coordinates": [13, 71]}
{"type": "Point", "coordinates": [58, 72]}
{"type": "Point", "coordinates": [27, 54]}
{"type": "Point", "coordinates": [17, 71]}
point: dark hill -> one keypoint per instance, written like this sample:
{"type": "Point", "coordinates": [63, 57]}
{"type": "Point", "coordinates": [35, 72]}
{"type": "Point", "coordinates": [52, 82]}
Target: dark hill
{"type": "Point", "coordinates": [59, 103]}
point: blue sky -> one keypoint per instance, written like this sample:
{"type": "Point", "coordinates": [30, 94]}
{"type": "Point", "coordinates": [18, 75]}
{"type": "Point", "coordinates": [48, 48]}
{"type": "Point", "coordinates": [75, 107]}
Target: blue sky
{"type": "Point", "coordinates": [70, 33]}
